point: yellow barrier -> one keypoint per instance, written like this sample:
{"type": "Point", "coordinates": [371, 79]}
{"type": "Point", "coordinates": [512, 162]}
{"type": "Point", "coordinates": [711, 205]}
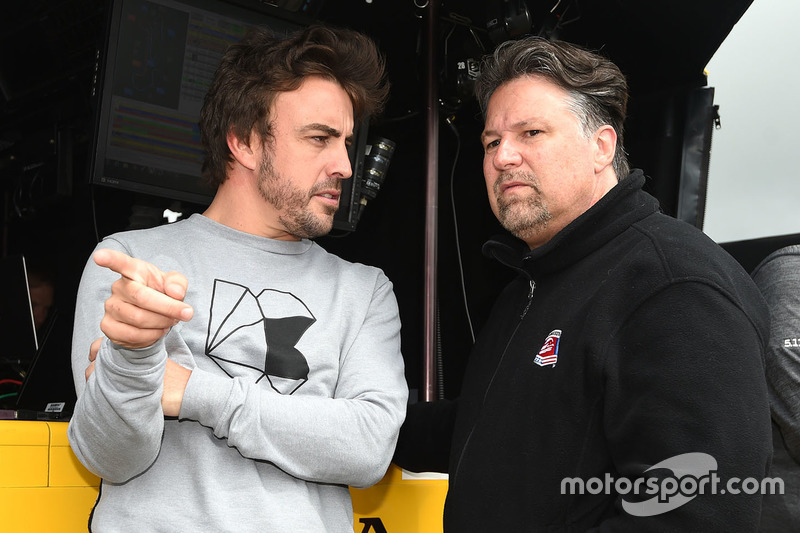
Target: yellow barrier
{"type": "Point", "coordinates": [400, 503]}
{"type": "Point", "coordinates": [44, 488]}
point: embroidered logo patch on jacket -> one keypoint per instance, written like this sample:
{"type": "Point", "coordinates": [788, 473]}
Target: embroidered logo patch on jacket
{"type": "Point", "coordinates": [548, 354]}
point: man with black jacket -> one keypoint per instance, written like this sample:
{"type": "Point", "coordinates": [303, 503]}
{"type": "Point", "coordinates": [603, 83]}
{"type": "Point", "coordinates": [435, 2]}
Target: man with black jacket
{"type": "Point", "coordinates": [619, 381]}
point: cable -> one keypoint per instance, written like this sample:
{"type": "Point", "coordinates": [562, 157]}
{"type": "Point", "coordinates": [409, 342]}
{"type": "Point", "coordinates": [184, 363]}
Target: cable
{"type": "Point", "coordinates": [14, 381]}
{"type": "Point", "coordinates": [92, 202]}
{"type": "Point", "coordinates": [439, 358]}
{"type": "Point", "coordinates": [446, 40]}
{"type": "Point", "coordinates": [576, 18]}
{"type": "Point", "coordinates": [449, 121]}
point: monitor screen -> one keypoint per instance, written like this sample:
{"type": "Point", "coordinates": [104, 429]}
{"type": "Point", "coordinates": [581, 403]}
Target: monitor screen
{"type": "Point", "coordinates": [158, 62]}
{"type": "Point", "coordinates": [16, 314]}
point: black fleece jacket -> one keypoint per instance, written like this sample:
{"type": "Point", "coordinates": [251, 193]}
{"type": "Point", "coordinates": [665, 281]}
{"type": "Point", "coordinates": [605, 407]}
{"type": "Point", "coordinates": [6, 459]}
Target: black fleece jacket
{"type": "Point", "coordinates": [627, 340]}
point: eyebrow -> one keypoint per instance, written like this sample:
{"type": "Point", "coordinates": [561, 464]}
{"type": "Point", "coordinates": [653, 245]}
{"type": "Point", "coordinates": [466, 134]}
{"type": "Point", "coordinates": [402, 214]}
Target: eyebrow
{"type": "Point", "coordinates": [522, 124]}
{"type": "Point", "coordinates": [328, 130]}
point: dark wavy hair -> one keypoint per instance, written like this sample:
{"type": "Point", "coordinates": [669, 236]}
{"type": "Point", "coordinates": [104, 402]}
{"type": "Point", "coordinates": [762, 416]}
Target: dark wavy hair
{"type": "Point", "coordinates": [255, 70]}
{"type": "Point", "coordinates": [597, 87]}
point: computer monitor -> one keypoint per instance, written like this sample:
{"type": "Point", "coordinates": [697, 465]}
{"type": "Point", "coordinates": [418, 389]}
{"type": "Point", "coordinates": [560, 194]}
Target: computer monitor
{"type": "Point", "coordinates": [48, 391]}
{"type": "Point", "coordinates": [154, 71]}
{"type": "Point", "coordinates": [16, 315]}
{"type": "Point", "coordinates": [157, 63]}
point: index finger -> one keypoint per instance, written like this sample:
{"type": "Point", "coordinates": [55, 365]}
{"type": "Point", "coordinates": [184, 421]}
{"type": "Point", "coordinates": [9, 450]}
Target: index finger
{"type": "Point", "coordinates": [169, 288]}
{"type": "Point", "coordinates": [122, 264]}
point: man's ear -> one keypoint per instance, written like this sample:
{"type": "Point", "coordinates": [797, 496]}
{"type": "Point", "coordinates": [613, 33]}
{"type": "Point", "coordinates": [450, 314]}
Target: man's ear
{"type": "Point", "coordinates": [242, 151]}
{"type": "Point", "coordinates": [605, 146]}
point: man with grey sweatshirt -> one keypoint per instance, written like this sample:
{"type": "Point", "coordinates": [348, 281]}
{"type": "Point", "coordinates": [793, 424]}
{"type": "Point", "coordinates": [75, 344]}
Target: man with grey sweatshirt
{"type": "Point", "coordinates": [231, 374]}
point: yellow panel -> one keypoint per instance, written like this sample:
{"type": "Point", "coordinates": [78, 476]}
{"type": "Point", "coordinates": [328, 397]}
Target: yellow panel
{"type": "Point", "coordinates": [27, 505]}
{"type": "Point", "coordinates": [398, 504]}
{"type": "Point", "coordinates": [65, 469]}
{"type": "Point", "coordinates": [24, 433]}
{"type": "Point", "coordinates": [58, 433]}
{"type": "Point", "coordinates": [50, 510]}
{"type": "Point", "coordinates": [23, 466]}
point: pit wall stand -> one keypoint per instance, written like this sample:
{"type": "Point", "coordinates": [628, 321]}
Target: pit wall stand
{"type": "Point", "coordinates": [44, 488]}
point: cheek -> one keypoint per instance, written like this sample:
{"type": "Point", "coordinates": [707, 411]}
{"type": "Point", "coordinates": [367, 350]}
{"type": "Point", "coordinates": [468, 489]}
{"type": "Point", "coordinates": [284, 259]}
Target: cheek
{"type": "Point", "coordinates": [490, 174]}
{"type": "Point", "coordinates": [575, 157]}
{"type": "Point", "coordinates": [490, 181]}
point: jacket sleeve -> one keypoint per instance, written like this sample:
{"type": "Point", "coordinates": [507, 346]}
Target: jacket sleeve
{"type": "Point", "coordinates": [779, 281]}
{"type": "Point", "coordinates": [686, 396]}
{"type": "Point", "coordinates": [116, 428]}
{"type": "Point", "coordinates": [347, 439]}
{"type": "Point", "coordinates": [426, 436]}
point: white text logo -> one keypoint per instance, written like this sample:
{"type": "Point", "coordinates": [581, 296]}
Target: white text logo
{"type": "Point", "coordinates": [693, 474]}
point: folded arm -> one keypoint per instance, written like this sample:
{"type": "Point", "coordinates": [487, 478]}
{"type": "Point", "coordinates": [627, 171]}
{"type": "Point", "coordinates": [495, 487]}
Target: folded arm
{"type": "Point", "coordinates": [345, 439]}
{"type": "Point", "coordinates": [119, 363]}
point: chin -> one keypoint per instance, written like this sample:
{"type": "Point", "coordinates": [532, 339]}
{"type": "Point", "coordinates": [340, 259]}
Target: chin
{"type": "Point", "coordinates": [320, 228]}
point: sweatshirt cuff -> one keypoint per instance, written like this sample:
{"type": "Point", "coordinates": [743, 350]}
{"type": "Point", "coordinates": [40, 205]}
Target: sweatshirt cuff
{"type": "Point", "coordinates": [138, 359]}
{"type": "Point", "coordinates": [205, 397]}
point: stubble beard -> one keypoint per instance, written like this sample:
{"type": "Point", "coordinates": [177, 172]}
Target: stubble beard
{"type": "Point", "coordinates": [298, 219]}
{"type": "Point", "coordinates": [523, 216]}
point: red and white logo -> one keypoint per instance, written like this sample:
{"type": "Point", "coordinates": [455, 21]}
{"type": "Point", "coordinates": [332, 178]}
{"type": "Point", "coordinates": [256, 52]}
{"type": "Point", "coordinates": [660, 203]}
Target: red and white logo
{"type": "Point", "coordinates": [548, 354]}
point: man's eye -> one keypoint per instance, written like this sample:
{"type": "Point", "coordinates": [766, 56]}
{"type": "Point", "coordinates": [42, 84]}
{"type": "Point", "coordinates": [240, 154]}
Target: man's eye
{"type": "Point", "coordinates": [532, 133]}
{"type": "Point", "coordinates": [492, 144]}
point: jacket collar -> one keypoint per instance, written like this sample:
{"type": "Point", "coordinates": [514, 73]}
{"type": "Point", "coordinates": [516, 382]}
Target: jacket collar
{"type": "Point", "coordinates": [616, 211]}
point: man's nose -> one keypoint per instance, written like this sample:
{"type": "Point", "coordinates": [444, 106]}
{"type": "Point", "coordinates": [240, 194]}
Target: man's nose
{"type": "Point", "coordinates": [340, 165]}
{"type": "Point", "coordinates": [507, 155]}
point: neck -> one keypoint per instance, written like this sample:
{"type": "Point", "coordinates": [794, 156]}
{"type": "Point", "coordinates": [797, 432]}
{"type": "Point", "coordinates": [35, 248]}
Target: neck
{"type": "Point", "coordinates": [238, 205]}
{"type": "Point", "coordinates": [606, 181]}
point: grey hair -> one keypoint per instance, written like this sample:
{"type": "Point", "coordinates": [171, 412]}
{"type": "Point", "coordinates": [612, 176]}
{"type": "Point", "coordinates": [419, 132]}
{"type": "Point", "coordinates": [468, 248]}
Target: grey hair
{"type": "Point", "coordinates": [596, 86]}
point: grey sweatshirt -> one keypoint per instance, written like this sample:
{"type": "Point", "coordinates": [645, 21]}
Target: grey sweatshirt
{"type": "Point", "coordinates": [297, 388]}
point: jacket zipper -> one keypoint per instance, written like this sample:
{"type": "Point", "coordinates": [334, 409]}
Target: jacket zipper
{"type": "Point", "coordinates": [489, 386]}
{"type": "Point", "coordinates": [527, 305]}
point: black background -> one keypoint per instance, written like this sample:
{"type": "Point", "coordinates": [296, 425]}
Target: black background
{"type": "Point", "coordinates": [48, 50]}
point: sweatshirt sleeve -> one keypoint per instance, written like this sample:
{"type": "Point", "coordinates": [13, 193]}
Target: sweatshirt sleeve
{"type": "Point", "coordinates": [686, 395]}
{"type": "Point", "coordinates": [779, 281]}
{"type": "Point", "coordinates": [346, 439]}
{"type": "Point", "coordinates": [116, 428]}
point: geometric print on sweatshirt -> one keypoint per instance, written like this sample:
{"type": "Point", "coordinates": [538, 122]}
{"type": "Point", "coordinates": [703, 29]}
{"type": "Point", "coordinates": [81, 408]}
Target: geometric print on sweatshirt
{"type": "Point", "coordinates": [254, 336]}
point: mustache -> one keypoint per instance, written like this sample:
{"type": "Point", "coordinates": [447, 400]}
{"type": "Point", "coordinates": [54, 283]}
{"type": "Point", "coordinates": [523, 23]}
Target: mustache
{"type": "Point", "coordinates": [516, 176]}
{"type": "Point", "coordinates": [332, 183]}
